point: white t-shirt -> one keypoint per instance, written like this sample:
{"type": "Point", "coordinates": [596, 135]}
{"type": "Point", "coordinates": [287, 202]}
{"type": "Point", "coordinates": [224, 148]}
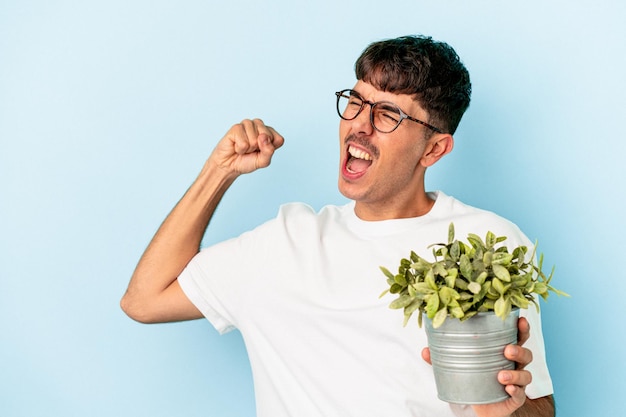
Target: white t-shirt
{"type": "Point", "coordinates": [303, 289]}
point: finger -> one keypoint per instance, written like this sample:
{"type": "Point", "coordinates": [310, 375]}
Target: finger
{"type": "Point", "coordinates": [518, 396]}
{"type": "Point", "coordinates": [264, 156]}
{"type": "Point", "coordinates": [274, 137]}
{"type": "Point", "coordinates": [268, 141]}
{"type": "Point", "coordinates": [515, 383]}
{"type": "Point", "coordinates": [523, 332]}
{"type": "Point", "coordinates": [239, 139]}
{"type": "Point", "coordinates": [267, 145]}
{"type": "Point", "coordinates": [245, 138]}
{"type": "Point", "coordinates": [506, 407]}
{"type": "Point", "coordinates": [426, 355]}
{"type": "Point", "coordinates": [519, 355]}
{"type": "Point", "coordinates": [518, 378]}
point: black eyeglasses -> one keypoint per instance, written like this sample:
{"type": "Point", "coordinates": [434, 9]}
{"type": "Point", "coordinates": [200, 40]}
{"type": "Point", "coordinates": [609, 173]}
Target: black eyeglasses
{"type": "Point", "coordinates": [385, 116]}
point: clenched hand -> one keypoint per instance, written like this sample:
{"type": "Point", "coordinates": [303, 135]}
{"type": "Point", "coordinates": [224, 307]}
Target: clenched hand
{"type": "Point", "coordinates": [246, 147]}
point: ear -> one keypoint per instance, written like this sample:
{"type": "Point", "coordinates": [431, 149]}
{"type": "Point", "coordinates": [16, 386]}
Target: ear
{"type": "Point", "coordinates": [439, 144]}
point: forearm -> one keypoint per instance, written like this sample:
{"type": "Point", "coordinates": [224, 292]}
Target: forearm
{"type": "Point", "coordinates": [153, 294]}
{"type": "Point", "coordinates": [176, 242]}
{"type": "Point", "coordinates": [540, 407]}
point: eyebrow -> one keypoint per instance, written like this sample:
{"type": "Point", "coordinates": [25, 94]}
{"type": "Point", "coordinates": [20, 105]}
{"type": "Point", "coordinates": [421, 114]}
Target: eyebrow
{"type": "Point", "coordinates": [354, 93]}
{"type": "Point", "coordinates": [388, 105]}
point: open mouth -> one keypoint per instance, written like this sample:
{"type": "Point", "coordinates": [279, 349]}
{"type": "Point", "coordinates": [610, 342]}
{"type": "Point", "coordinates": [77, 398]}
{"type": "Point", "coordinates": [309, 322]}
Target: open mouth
{"type": "Point", "coordinates": [358, 160]}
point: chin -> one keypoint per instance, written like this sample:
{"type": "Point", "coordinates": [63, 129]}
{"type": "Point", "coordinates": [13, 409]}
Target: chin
{"type": "Point", "coordinates": [348, 190]}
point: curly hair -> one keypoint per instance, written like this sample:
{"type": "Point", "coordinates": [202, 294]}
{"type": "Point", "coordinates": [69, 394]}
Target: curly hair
{"type": "Point", "coordinates": [429, 70]}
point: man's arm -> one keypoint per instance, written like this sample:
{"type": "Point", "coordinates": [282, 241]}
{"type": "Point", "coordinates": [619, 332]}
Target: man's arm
{"type": "Point", "coordinates": [539, 407]}
{"type": "Point", "coordinates": [542, 407]}
{"type": "Point", "coordinates": [153, 294]}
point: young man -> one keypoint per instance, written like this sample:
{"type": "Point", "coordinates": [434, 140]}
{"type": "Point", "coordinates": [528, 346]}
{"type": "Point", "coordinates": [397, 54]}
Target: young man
{"type": "Point", "coordinates": [303, 288]}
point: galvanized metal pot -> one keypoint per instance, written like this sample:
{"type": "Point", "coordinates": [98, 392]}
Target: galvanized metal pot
{"type": "Point", "coordinates": [468, 355]}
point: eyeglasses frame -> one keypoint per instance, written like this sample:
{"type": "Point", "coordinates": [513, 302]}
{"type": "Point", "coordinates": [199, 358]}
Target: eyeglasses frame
{"type": "Point", "coordinates": [403, 115]}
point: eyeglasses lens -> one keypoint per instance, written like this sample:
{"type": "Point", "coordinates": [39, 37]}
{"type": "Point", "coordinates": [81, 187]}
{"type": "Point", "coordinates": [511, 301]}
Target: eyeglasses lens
{"type": "Point", "coordinates": [385, 116]}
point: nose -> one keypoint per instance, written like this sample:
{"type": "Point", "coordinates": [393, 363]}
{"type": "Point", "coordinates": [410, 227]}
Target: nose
{"type": "Point", "coordinates": [362, 123]}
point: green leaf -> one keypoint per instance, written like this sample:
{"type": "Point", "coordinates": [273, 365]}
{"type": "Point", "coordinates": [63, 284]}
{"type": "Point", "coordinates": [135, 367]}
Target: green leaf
{"type": "Point", "coordinates": [411, 290]}
{"type": "Point", "coordinates": [465, 296]}
{"type": "Point", "coordinates": [469, 315]}
{"type": "Point", "coordinates": [465, 266]}
{"type": "Point", "coordinates": [451, 233]}
{"type": "Point", "coordinates": [498, 286]}
{"type": "Point", "coordinates": [519, 253]}
{"type": "Point", "coordinates": [541, 288]}
{"type": "Point", "coordinates": [386, 272]}
{"type": "Point", "coordinates": [457, 312]}
{"type": "Point", "coordinates": [490, 240]}
{"type": "Point", "coordinates": [487, 305]}
{"type": "Point", "coordinates": [421, 265]}
{"type": "Point", "coordinates": [487, 258]}
{"type": "Point", "coordinates": [466, 306]}
{"type": "Point", "coordinates": [518, 300]}
{"type": "Point", "coordinates": [461, 284]}
{"type": "Point", "coordinates": [396, 288]}
{"type": "Point", "coordinates": [455, 251]}
{"type": "Point", "coordinates": [430, 279]}
{"type": "Point", "coordinates": [558, 292]}
{"type": "Point", "coordinates": [491, 291]}
{"type": "Point", "coordinates": [482, 277]}
{"type": "Point", "coordinates": [410, 309]}
{"type": "Point", "coordinates": [474, 287]}
{"type": "Point", "coordinates": [502, 258]}
{"type": "Point", "coordinates": [453, 272]}
{"type": "Point", "coordinates": [476, 241]}
{"type": "Point", "coordinates": [432, 305]}
{"type": "Point", "coordinates": [440, 317]}
{"type": "Point", "coordinates": [400, 279]}
{"type": "Point", "coordinates": [422, 288]}
{"type": "Point", "coordinates": [447, 294]}
{"type": "Point", "coordinates": [439, 269]}
{"type": "Point", "coordinates": [501, 272]}
{"type": "Point", "coordinates": [502, 307]}
{"type": "Point", "coordinates": [451, 280]}
{"type": "Point", "coordinates": [401, 302]}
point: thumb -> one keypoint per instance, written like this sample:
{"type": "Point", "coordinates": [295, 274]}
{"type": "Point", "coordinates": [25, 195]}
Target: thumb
{"type": "Point", "coordinates": [426, 355]}
{"type": "Point", "coordinates": [266, 150]}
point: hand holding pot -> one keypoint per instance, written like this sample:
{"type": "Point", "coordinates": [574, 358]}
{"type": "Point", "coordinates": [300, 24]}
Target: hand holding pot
{"type": "Point", "coordinates": [515, 381]}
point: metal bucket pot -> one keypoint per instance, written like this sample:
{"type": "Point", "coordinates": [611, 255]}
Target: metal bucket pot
{"type": "Point", "coordinates": [467, 357]}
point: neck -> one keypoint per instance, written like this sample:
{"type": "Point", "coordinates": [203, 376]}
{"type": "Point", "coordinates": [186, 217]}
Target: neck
{"type": "Point", "coordinates": [387, 210]}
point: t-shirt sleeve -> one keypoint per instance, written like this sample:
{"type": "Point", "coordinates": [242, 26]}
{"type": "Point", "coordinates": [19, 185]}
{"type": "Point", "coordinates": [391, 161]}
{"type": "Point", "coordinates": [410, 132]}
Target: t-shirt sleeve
{"type": "Point", "coordinates": [196, 283]}
{"type": "Point", "coordinates": [542, 382]}
{"type": "Point", "coordinates": [220, 278]}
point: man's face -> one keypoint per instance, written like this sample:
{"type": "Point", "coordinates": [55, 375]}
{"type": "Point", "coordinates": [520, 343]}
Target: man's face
{"type": "Point", "coordinates": [382, 171]}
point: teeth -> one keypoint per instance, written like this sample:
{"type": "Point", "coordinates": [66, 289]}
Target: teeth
{"type": "Point", "coordinates": [358, 153]}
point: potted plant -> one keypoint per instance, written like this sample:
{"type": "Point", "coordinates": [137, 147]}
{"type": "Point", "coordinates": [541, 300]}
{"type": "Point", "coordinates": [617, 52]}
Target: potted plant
{"type": "Point", "coordinates": [468, 291]}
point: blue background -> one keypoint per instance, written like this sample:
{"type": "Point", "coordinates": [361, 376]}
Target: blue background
{"type": "Point", "coordinates": [108, 110]}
